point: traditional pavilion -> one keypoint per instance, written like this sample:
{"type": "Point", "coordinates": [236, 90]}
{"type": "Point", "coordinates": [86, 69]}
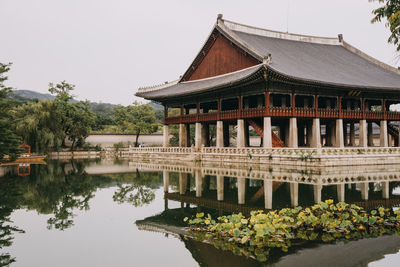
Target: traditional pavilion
{"type": "Point", "coordinates": [286, 86]}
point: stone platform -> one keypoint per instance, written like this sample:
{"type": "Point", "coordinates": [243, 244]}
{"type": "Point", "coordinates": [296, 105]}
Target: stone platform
{"type": "Point", "coordinates": [322, 157]}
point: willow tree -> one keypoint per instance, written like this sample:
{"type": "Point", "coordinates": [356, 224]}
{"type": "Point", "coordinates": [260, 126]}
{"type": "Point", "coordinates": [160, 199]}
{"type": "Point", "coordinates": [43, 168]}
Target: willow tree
{"type": "Point", "coordinates": [391, 12]}
{"type": "Point", "coordinates": [9, 141]}
{"type": "Point", "coordinates": [39, 125]}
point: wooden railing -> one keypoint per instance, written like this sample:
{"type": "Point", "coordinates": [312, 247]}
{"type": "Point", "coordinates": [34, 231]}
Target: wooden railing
{"type": "Point", "coordinates": [284, 112]}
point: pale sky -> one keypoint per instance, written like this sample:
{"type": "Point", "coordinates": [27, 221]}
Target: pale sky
{"type": "Point", "coordinates": [109, 48]}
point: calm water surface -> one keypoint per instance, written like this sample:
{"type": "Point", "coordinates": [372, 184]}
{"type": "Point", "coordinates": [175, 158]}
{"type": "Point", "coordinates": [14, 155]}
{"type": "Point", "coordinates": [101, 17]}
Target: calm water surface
{"type": "Point", "coordinates": [88, 213]}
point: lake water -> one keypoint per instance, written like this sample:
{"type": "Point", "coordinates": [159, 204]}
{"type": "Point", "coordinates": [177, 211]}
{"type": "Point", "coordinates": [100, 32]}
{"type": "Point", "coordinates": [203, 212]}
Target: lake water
{"type": "Point", "coordinates": [117, 213]}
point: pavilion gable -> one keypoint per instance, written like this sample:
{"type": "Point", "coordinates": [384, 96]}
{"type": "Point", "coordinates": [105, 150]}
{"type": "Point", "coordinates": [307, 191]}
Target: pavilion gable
{"type": "Point", "coordinates": [222, 57]}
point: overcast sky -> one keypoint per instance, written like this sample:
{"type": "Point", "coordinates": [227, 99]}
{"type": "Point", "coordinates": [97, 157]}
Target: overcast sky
{"type": "Point", "coordinates": [109, 48]}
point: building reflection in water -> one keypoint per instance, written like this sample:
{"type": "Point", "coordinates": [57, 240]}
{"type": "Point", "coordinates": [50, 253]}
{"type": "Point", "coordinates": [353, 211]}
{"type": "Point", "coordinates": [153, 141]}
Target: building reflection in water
{"type": "Point", "coordinates": [244, 188]}
{"type": "Point", "coordinates": [219, 189]}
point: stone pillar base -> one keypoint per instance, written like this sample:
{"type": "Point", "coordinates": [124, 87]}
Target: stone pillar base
{"type": "Point", "coordinates": [383, 134]}
{"type": "Point", "coordinates": [293, 138]}
{"type": "Point", "coordinates": [166, 136]}
{"type": "Point", "coordinates": [267, 142]}
{"type": "Point", "coordinates": [220, 134]}
{"type": "Point", "coordinates": [241, 136]}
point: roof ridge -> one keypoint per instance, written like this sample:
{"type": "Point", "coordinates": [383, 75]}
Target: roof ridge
{"type": "Point", "coordinates": [360, 53]}
{"type": "Point", "coordinates": [235, 26]}
{"type": "Point", "coordinates": [157, 87]}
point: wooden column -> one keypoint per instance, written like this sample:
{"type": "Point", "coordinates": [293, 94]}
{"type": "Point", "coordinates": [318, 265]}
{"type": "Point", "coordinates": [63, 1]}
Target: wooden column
{"type": "Point", "coordinates": [293, 103]}
{"type": "Point", "coordinates": [384, 108]}
{"type": "Point", "coordinates": [363, 107]}
{"type": "Point", "coordinates": [165, 113]}
{"type": "Point", "coordinates": [197, 111]}
{"type": "Point", "coordinates": [266, 94]}
{"type": "Point", "coordinates": [219, 108]}
{"type": "Point", "coordinates": [181, 118]}
{"type": "Point", "coordinates": [240, 103]}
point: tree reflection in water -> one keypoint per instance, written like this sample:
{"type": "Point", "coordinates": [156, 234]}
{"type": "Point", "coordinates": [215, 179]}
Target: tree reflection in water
{"type": "Point", "coordinates": [62, 188]}
{"type": "Point", "coordinates": [8, 202]}
{"type": "Point", "coordinates": [140, 191]}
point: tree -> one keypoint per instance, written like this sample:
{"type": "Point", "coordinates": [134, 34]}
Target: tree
{"type": "Point", "coordinates": [9, 141]}
{"type": "Point", "coordinates": [81, 120]}
{"type": "Point", "coordinates": [38, 123]}
{"type": "Point", "coordinates": [137, 118]}
{"type": "Point", "coordinates": [391, 12]}
{"type": "Point", "coordinates": [75, 119]}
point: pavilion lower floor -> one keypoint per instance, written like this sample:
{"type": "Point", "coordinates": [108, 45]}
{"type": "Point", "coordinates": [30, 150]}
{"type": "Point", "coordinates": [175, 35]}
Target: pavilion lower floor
{"type": "Point", "coordinates": [290, 132]}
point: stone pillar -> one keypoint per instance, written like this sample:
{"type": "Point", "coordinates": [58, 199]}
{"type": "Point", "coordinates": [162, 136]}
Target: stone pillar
{"type": "Point", "coordinates": [317, 193]}
{"type": "Point", "coordinates": [267, 142]}
{"type": "Point", "coordinates": [199, 183]}
{"type": "Point", "coordinates": [205, 134]}
{"type": "Point", "coordinates": [165, 136]}
{"type": "Point", "coordinates": [340, 192]}
{"type": "Point", "coordinates": [241, 185]}
{"type": "Point", "coordinates": [198, 135]}
{"type": "Point", "coordinates": [220, 188]}
{"type": "Point", "coordinates": [182, 183]}
{"type": "Point", "coordinates": [352, 135]}
{"type": "Point", "coordinates": [364, 191]}
{"type": "Point", "coordinates": [370, 135]}
{"type": "Point", "coordinates": [220, 134]}
{"type": "Point", "coordinates": [183, 138]}
{"type": "Point", "coordinates": [268, 194]}
{"type": "Point", "coordinates": [339, 140]}
{"type": "Point", "coordinates": [383, 134]}
{"type": "Point", "coordinates": [385, 190]}
{"type": "Point", "coordinates": [316, 133]}
{"type": "Point", "coordinates": [363, 142]}
{"type": "Point", "coordinates": [226, 135]}
{"type": "Point", "coordinates": [293, 139]}
{"type": "Point", "coordinates": [166, 180]}
{"type": "Point", "coordinates": [240, 138]}
{"type": "Point", "coordinates": [294, 194]}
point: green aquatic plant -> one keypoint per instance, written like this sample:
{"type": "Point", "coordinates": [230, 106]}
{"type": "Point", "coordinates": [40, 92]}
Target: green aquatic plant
{"type": "Point", "coordinates": [257, 235]}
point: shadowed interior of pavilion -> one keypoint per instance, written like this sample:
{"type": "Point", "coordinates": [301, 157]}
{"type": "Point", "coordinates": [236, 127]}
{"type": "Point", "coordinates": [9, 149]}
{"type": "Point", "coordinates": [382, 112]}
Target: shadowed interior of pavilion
{"type": "Point", "coordinates": [287, 87]}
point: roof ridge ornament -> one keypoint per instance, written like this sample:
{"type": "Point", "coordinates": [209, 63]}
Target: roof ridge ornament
{"type": "Point", "coordinates": [267, 59]}
{"type": "Point", "coordinates": [340, 37]}
{"type": "Point", "coordinates": [219, 17]}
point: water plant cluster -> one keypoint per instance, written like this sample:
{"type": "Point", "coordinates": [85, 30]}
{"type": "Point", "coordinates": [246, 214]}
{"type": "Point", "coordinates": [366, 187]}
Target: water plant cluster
{"type": "Point", "coordinates": [257, 235]}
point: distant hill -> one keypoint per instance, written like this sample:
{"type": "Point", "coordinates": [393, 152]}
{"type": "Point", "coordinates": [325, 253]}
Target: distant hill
{"type": "Point", "coordinates": [25, 95]}
{"type": "Point", "coordinates": [156, 106]}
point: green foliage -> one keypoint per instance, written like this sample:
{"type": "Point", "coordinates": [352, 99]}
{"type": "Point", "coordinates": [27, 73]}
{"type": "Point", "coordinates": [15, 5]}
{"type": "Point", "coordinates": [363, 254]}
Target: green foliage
{"type": "Point", "coordinates": [118, 146]}
{"type": "Point", "coordinates": [9, 141]}
{"type": "Point", "coordinates": [326, 222]}
{"type": "Point", "coordinates": [136, 118]}
{"type": "Point", "coordinates": [82, 120]}
{"type": "Point", "coordinates": [45, 124]}
{"type": "Point", "coordinates": [38, 123]}
{"type": "Point", "coordinates": [391, 12]}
